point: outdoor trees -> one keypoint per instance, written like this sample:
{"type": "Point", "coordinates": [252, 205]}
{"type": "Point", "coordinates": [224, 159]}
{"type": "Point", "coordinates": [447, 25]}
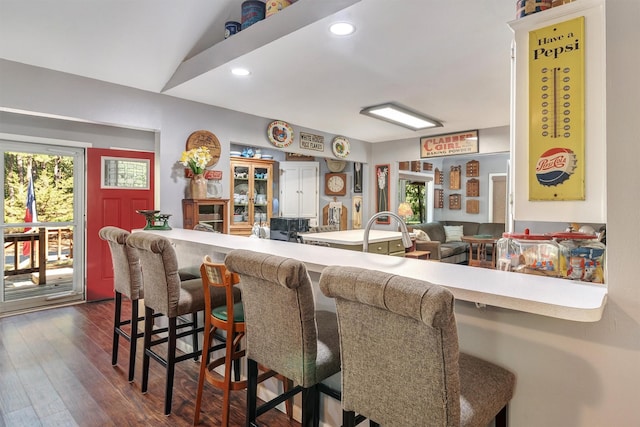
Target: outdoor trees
{"type": "Point", "coordinates": [52, 182]}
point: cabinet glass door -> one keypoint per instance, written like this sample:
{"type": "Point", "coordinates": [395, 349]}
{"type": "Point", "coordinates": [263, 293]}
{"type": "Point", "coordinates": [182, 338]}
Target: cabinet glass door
{"type": "Point", "coordinates": [241, 195]}
{"type": "Point", "coordinates": [212, 216]}
{"type": "Point", "coordinates": [261, 193]}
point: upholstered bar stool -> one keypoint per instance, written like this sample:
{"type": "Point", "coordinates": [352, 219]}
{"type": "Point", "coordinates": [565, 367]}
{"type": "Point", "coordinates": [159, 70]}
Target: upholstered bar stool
{"type": "Point", "coordinates": [400, 360]}
{"type": "Point", "coordinates": [166, 294]}
{"type": "Point", "coordinates": [284, 332]}
{"type": "Point", "coordinates": [127, 281]}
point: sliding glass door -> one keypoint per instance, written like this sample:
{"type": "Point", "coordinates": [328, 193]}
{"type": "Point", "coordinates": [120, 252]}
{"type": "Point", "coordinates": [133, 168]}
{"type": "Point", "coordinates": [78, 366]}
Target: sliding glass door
{"type": "Point", "coordinates": [42, 225]}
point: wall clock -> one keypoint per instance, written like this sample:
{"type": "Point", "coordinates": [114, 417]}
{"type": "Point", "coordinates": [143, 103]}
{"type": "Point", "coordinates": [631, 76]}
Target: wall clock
{"type": "Point", "coordinates": [335, 184]}
{"type": "Point", "coordinates": [207, 139]}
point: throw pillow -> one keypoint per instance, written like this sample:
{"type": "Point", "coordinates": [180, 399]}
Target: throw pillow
{"type": "Point", "coordinates": [421, 235]}
{"type": "Point", "coordinates": [453, 233]}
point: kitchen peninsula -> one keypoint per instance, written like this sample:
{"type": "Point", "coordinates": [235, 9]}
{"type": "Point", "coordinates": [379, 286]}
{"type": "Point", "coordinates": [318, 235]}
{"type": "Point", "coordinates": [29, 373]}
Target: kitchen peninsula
{"type": "Point", "coordinates": [546, 296]}
{"type": "Point", "coordinates": [380, 241]}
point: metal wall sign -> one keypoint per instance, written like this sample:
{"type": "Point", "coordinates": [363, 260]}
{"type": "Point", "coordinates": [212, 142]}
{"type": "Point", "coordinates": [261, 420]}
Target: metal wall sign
{"type": "Point", "coordinates": [449, 144]}
{"type": "Point", "coordinates": [310, 141]}
{"type": "Point", "coordinates": [556, 112]}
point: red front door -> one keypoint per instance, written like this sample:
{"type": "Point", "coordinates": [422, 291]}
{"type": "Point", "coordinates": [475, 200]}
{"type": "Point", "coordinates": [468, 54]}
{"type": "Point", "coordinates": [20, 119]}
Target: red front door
{"type": "Point", "coordinates": [113, 197]}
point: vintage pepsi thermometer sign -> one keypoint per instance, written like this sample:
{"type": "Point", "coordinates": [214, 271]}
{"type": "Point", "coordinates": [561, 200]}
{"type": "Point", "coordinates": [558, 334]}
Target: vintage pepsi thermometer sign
{"type": "Point", "coordinates": [556, 112]}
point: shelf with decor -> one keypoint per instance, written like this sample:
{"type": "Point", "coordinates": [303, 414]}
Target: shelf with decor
{"type": "Point", "coordinates": [252, 192]}
{"type": "Point", "coordinates": [212, 213]}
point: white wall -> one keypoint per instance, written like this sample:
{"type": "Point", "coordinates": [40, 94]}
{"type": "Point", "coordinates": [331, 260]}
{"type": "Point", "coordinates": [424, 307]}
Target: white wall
{"type": "Point", "coordinates": [573, 374]}
{"type": "Point", "coordinates": [52, 93]}
{"type": "Point", "coordinates": [570, 374]}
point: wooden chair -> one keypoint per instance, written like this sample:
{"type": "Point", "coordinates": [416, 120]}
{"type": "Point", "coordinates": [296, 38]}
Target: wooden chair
{"type": "Point", "coordinates": [284, 332]}
{"type": "Point", "coordinates": [230, 319]}
{"type": "Point", "coordinates": [400, 360]}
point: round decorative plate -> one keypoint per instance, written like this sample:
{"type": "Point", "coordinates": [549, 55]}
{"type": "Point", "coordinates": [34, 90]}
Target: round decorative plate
{"type": "Point", "coordinates": [280, 133]}
{"type": "Point", "coordinates": [205, 138]}
{"type": "Point", "coordinates": [340, 146]}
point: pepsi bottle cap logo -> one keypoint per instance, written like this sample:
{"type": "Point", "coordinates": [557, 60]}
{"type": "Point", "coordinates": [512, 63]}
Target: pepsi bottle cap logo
{"type": "Point", "coordinates": [555, 166]}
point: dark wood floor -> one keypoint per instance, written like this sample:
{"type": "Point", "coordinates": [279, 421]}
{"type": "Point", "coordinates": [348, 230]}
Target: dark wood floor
{"type": "Point", "coordinates": [55, 369]}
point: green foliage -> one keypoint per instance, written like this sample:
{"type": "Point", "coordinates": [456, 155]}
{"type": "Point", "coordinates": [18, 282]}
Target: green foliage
{"type": "Point", "coordinates": [415, 196]}
{"type": "Point", "coordinates": [53, 186]}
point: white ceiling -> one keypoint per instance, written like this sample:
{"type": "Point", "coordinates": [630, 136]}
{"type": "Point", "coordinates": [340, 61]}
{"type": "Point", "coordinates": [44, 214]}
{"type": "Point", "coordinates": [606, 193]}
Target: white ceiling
{"type": "Point", "coordinates": [449, 59]}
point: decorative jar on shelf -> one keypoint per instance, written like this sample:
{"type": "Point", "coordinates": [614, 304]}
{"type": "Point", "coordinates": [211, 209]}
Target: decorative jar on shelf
{"type": "Point", "coordinates": [198, 186]}
{"type": "Point", "coordinates": [196, 159]}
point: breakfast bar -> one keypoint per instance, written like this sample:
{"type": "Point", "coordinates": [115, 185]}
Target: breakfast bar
{"type": "Point", "coordinates": [545, 296]}
{"type": "Point", "coordinates": [491, 295]}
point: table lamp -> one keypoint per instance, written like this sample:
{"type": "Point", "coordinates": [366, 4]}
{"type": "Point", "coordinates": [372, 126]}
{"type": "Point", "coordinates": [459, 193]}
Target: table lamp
{"type": "Point", "coordinates": [404, 210]}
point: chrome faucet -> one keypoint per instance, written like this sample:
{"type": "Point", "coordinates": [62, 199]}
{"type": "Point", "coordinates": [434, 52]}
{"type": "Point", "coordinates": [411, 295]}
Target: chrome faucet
{"type": "Point", "coordinates": [406, 238]}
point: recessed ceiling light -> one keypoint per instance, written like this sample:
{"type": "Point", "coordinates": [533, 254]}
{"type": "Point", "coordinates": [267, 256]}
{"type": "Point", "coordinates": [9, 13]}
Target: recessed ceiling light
{"type": "Point", "coordinates": [240, 72]}
{"type": "Point", "coordinates": [342, 28]}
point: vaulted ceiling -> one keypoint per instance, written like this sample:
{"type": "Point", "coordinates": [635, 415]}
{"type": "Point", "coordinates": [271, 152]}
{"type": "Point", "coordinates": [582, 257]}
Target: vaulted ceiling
{"type": "Point", "coordinates": [447, 59]}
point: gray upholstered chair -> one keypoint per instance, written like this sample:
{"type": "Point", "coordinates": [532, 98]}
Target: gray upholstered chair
{"type": "Point", "coordinates": [400, 360]}
{"type": "Point", "coordinates": [166, 294]}
{"type": "Point", "coordinates": [284, 332]}
{"type": "Point", "coordinates": [127, 281]}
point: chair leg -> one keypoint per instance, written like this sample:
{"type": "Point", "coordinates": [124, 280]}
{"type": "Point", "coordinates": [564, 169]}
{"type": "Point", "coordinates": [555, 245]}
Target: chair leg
{"type": "Point", "coordinates": [116, 325]}
{"type": "Point", "coordinates": [171, 364]}
{"type": "Point", "coordinates": [133, 342]}
{"type": "Point", "coordinates": [226, 392]}
{"type": "Point", "coordinates": [252, 390]}
{"type": "Point", "coordinates": [310, 410]}
{"type": "Point", "coordinates": [236, 365]}
{"type": "Point", "coordinates": [287, 385]}
{"type": "Point", "coordinates": [373, 424]}
{"type": "Point", "coordinates": [194, 336]}
{"type": "Point", "coordinates": [204, 361]}
{"type": "Point", "coordinates": [348, 418]}
{"type": "Point", "coordinates": [501, 418]}
{"type": "Point", "coordinates": [148, 331]}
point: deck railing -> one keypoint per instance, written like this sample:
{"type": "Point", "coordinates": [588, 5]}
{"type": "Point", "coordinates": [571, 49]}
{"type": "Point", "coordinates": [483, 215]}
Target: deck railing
{"type": "Point", "coordinates": [39, 240]}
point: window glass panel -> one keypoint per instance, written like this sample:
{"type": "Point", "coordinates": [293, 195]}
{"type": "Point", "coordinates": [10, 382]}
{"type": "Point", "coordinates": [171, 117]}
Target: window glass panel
{"type": "Point", "coordinates": [120, 172]}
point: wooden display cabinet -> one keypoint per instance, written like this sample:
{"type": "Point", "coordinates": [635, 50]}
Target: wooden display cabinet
{"type": "Point", "coordinates": [454, 177]}
{"type": "Point", "coordinates": [252, 192]}
{"type": "Point", "coordinates": [473, 187]}
{"type": "Point", "coordinates": [212, 212]}
{"type": "Point", "coordinates": [473, 168]}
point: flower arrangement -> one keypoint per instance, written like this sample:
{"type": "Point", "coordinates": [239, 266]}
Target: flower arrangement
{"type": "Point", "coordinates": [196, 159]}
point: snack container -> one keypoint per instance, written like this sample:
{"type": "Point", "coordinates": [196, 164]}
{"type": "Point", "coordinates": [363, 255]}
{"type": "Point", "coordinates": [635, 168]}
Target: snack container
{"type": "Point", "coordinates": [582, 257]}
{"type": "Point", "coordinates": [528, 253]}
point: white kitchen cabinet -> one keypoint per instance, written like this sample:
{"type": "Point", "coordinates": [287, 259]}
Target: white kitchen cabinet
{"type": "Point", "coordinates": [299, 189]}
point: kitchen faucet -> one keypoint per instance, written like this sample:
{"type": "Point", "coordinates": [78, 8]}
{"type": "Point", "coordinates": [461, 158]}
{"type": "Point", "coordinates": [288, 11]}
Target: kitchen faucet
{"type": "Point", "coordinates": [406, 238]}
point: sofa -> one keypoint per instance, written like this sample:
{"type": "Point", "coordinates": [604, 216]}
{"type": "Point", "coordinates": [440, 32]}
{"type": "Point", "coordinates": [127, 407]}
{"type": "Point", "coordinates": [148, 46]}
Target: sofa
{"type": "Point", "coordinates": [452, 251]}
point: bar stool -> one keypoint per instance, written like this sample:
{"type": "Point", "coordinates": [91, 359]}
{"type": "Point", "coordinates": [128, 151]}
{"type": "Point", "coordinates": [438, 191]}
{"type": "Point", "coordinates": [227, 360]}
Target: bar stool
{"type": "Point", "coordinates": [230, 319]}
{"type": "Point", "coordinates": [127, 281]}
{"type": "Point", "coordinates": [284, 331]}
{"type": "Point", "coordinates": [400, 360]}
{"type": "Point", "coordinates": [166, 294]}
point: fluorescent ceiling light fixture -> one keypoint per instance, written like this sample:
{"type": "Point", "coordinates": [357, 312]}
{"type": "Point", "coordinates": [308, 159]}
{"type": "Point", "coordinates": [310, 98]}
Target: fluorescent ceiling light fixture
{"type": "Point", "coordinates": [342, 28]}
{"type": "Point", "coordinates": [240, 71]}
{"type": "Point", "coordinates": [400, 116]}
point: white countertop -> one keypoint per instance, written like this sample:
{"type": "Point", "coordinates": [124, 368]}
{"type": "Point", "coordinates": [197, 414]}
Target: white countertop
{"type": "Point", "coordinates": [351, 237]}
{"type": "Point", "coordinates": [546, 296]}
